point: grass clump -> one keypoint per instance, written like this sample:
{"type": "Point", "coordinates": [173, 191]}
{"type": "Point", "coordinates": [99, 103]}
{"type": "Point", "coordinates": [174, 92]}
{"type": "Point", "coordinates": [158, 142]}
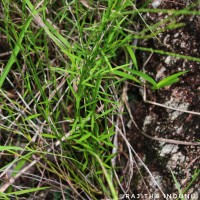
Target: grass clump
{"type": "Point", "coordinates": [62, 91]}
{"type": "Point", "coordinates": [60, 94]}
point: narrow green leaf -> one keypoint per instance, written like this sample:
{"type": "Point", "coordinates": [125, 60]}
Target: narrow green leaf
{"type": "Point", "coordinates": [86, 146]}
{"type": "Point", "coordinates": [170, 79]}
{"type": "Point", "coordinates": [58, 39]}
{"type": "Point", "coordinates": [58, 35]}
{"type": "Point", "coordinates": [4, 196]}
{"type": "Point", "coordinates": [15, 52]}
{"type": "Point", "coordinates": [27, 191]}
{"type": "Point", "coordinates": [143, 75]}
{"type": "Point", "coordinates": [109, 144]}
{"type": "Point", "coordinates": [21, 163]}
{"type": "Point", "coordinates": [84, 137]}
{"type": "Point", "coordinates": [105, 136]}
{"type": "Point", "coordinates": [46, 135]}
{"type": "Point", "coordinates": [106, 113]}
{"type": "Point", "coordinates": [4, 148]}
{"type": "Point", "coordinates": [168, 53]}
{"type": "Point", "coordinates": [165, 84]}
{"type": "Point", "coordinates": [31, 117]}
{"type": "Point", "coordinates": [177, 186]}
{"type": "Point", "coordinates": [125, 75]}
{"type": "Point", "coordinates": [110, 157]}
{"type": "Point", "coordinates": [132, 54]}
{"type": "Point", "coordinates": [107, 176]}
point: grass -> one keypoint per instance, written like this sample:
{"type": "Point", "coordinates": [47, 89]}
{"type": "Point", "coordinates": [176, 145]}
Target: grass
{"type": "Point", "coordinates": [60, 92]}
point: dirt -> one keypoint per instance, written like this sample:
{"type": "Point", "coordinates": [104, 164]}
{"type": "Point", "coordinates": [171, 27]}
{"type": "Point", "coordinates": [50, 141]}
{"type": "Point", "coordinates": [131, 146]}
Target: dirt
{"type": "Point", "coordinates": [166, 123]}
{"type": "Point", "coordinates": [161, 122]}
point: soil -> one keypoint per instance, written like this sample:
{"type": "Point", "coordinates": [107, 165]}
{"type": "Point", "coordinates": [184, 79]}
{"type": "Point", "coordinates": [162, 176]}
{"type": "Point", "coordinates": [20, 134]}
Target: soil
{"type": "Point", "coordinates": [160, 157]}
{"type": "Point", "coordinates": [161, 122]}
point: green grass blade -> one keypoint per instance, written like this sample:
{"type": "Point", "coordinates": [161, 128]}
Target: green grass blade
{"type": "Point", "coordinates": [125, 75]}
{"type": "Point", "coordinates": [177, 186]}
{"type": "Point", "coordinates": [170, 79]}
{"type": "Point", "coordinates": [5, 148]}
{"type": "Point", "coordinates": [107, 176]}
{"type": "Point", "coordinates": [167, 53]}
{"type": "Point", "coordinates": [15, 52]}
{"type": "Point", "coordinates": [27, 191]}
{"type": "Point", "coordinates": [143, 75]}
{"type": "Point", "coordinates": [132, 54]}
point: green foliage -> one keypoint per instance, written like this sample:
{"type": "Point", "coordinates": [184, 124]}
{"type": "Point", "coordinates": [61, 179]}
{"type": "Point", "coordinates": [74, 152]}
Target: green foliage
{"type": "Point", "coordinates": [66, 70]}
{"type": "Point", "coordinates": [168, 80]}
{"type": "Point", "coordinates": [129, 74]}
{"type": "Point", "coordinates": [177, 186]}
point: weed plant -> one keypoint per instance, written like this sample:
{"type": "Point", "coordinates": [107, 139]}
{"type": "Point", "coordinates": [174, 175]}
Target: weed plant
{"type": "Point", "coordinates": [60, 92]}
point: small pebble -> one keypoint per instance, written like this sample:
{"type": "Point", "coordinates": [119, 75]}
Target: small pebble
{"type": "Point", "coordinates": [156, 3]}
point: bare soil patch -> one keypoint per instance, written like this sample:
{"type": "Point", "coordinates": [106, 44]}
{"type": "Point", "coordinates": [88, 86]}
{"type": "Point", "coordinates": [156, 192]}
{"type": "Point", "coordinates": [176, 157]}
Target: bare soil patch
{"type": "Point", "coordinates": [167, 123]}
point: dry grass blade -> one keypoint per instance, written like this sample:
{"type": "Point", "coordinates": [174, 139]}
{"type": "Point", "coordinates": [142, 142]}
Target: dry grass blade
{"type": "Point", "coordinates": [157, 138]}
{"type": "Point", "coordinates": [164, 106]}
{"type": "Point", "coordinates": [11, 180]}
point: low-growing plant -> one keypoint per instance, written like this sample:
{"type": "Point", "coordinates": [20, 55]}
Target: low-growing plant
{"type": "Point", "coordinates": [59, 91]}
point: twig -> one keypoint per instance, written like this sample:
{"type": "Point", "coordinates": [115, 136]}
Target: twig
{"type": "Point", "coordinates": [130, 149]}
{"type": "Point", "coordinates": [5, 54]}
{"type": "Point", "coordinates": [11, 180]}
{"type": "Point", "coordinates": [157, 138]}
